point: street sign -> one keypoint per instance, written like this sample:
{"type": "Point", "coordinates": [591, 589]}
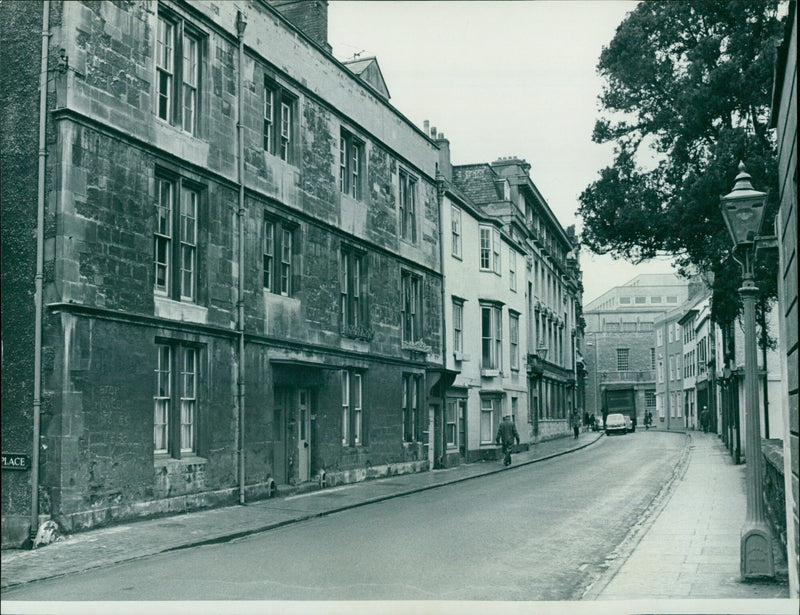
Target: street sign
{"type": "Point", "coordinates": [12, 461]}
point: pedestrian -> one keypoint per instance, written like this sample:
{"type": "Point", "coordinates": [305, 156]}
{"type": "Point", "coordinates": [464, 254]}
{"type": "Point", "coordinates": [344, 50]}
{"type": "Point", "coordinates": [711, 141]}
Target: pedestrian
{"type": "Point", "coordinates": [704, 419]}
{"type": "Point", "coordinates": [604, 412]}
{"type": "Point", "coordinates": [593, 422]}
{"type": "Point", "coordinates": [506, 434]}
{"type": "Point", "coordinates": [576, 425]}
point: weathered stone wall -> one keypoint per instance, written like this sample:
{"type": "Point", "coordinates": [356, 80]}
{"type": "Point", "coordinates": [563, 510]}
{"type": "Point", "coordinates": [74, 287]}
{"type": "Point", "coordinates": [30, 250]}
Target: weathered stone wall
{"type": "Point", "coordinates": [98, 464]}
{"type": "Point", "coordinates": [785, 120]}
{"type": "Point", "coordinates": [774, 493]}
{"type": "Point", "coordinates": [20, 59]}
{"type": "Point", "coordinates": [106, 148]}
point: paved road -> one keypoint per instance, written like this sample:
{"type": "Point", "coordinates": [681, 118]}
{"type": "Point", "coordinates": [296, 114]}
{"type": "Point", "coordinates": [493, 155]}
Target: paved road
{"type": "Point", "coordinates": [538, 532]}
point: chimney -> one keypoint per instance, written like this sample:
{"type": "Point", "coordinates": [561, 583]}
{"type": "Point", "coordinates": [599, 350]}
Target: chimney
{"type": "Point", "coordinates": [310, 16]}
{"type": "Point", "coordinates": [445, 168]}
{"type": "Point", "coordinates": [426, 125]}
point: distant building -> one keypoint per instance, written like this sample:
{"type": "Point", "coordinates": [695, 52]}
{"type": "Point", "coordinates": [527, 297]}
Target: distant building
{"type": "Point", "coordinates": [670, 366]}
{"type": "Point", "coordinates": [621, 356]}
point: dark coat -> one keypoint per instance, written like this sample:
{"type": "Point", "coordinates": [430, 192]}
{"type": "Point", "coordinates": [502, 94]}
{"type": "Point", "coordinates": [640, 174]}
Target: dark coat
{"type": "Point", "coordinates": [507, 433]}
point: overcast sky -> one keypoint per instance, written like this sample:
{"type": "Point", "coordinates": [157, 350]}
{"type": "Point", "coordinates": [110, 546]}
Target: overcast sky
{"type": "Point", "coordinates": [500, 79]}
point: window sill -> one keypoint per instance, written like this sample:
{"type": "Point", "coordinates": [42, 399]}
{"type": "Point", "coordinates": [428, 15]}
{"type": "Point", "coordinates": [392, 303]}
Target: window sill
{"type": "Point", "coordinates": [416, 347]}
{"type": "Point", "coordinates": [161, 460]}
{"type": "Point", "coordinates": [179, 310]}
{"type": "Point", "coordinates": [357, 332]}
{"type": "Point", "coordinates": [270, 295]}
{"type": "Point", "coordinates": [490, 373]}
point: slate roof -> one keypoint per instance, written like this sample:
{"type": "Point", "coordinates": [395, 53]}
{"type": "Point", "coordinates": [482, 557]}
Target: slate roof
{"type": "Point", "coordinates": [477, 181]}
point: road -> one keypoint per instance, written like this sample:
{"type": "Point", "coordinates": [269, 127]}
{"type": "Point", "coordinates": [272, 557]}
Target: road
{"type": "Point", "coordinates": [538, 532]}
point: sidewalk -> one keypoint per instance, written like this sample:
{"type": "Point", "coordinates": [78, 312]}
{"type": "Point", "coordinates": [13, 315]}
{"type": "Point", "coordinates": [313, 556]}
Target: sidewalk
{"type": "Point", "coordinates": [121, 543]}
{"type": "Point", "coordinates": [689, 547]}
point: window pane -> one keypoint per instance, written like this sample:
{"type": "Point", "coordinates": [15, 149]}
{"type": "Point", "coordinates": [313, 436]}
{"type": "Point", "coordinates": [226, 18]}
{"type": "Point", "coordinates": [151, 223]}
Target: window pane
{"type": "Point", "coordinates": [487, 435]}
{"type": "Point", "coordinates": [486, 248]}
{"type": "Point", "coordinates": [161, 399]}
{"type": "Point", "coordinates": [190, 81]}
{"type": "Point", "coordinates": [164, 68]}
{"type": "Point", "coordinates": [486, 338]}
{"type": "Point", "coordinates": [355, 166]}
{"type": "Point", "coordinates": [286, 261]}
{"type": "Point", "coordinates": [343, 164]}
{"type": "Point", "coordinates": [357, 408]}
{"type": "Point", "coordinates": [188, 399]}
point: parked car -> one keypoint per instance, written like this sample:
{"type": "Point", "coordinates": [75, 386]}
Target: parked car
{"type": "Point", "coordinates": [616, 423]}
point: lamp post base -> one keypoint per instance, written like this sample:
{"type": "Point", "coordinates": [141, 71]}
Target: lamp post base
{"type": "Point", "coordinates": [756, 559]}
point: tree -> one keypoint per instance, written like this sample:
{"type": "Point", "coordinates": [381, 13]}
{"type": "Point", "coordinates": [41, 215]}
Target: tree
{"type": "Point", "coordinates": [687, 84]}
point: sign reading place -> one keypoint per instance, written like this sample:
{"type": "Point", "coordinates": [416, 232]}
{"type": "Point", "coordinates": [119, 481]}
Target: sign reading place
{"type": "Point", "coordinates": [12, 461]}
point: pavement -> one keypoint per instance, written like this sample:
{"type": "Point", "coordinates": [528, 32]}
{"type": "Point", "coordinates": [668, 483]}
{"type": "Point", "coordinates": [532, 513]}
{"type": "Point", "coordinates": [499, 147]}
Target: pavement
{"type": "Point", "coordinates": [688, 546]}
{"type": "Point", "coordinates": [685, 547]}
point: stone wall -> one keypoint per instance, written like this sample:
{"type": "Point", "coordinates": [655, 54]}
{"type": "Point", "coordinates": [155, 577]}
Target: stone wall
{"type": "Point", "coordinates": [20, 57]}
{"type": "Point", "coordinates": [774, 494]}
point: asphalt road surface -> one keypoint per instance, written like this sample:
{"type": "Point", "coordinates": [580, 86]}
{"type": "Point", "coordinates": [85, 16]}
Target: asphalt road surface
{"type": "Point", "coordinates": [544, 531]}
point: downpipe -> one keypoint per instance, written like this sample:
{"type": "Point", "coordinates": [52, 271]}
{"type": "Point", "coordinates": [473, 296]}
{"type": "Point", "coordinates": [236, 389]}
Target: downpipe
{"type": "Point", "coordinates": [241, 24]}
{"type": "Point", "coordinates": [37, 352]}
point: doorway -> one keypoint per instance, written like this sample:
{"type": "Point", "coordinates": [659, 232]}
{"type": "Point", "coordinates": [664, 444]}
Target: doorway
{"type": "Point", "coordinates": [291, 434]}
{"type": "Point", "coordinates": [303, 435]}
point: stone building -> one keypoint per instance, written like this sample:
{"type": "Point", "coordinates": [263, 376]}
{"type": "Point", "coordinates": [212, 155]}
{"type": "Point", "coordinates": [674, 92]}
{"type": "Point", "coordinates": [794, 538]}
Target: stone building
{"type": "Point", "coordinates": [530, 280]}
{"type": "Point", "coordinates": [621, 356]}
{"type": "Point", "coordinates": [784, 120]}
{"type": "Point", "coordinates": [670, 364]}
{"type": "Point", "coordinates": [239, 283]}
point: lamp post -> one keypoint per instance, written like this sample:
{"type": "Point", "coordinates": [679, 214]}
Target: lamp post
{"type": "Point", "coordinates": [743, 211]}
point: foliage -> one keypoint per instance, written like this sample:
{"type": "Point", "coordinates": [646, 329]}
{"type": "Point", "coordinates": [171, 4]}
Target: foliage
{"type": "Point", "coordinates": [687, 84]}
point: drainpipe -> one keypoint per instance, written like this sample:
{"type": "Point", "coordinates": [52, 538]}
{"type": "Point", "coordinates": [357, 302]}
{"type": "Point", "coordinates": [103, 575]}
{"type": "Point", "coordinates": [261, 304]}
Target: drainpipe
{"type": "Point", "coordinates": [667, 399]}
{"type": "Point", "coordinates": [240, 26]}
{"type": "Point", "coordinates": [37, 352]}
{"type": "Point", "coordinates": [443, 407]}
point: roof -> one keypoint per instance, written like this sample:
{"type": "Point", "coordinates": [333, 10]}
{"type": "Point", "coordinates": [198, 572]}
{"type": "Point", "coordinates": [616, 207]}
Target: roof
{"type": "Point", "coordinates": [368, 70]}
{"type": "Point", "coordinates": [477, 181]}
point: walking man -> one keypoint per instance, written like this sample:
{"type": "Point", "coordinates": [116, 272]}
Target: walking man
{"type": "Point", "coordinates": [506, 434]}
{"type": "Point", "coordinates": [576, 426]}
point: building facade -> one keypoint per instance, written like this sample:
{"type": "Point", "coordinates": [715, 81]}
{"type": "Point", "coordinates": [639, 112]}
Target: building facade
{"type": "Point", "coordinates": [539, 273]}
{"type": "Point", "coordinates": [669, 354]}
{"type": "Point", "coordinates": [486, 337]}
{"type": "Point", "coordinates": [622, 357]}
{"type": "Point", "coordinates": [240, 279]}
{"type": "Point", "coordinates": [784, 120]}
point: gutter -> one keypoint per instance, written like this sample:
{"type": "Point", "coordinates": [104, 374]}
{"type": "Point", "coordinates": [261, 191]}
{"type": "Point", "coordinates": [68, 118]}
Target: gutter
{"type": "Point", "coordinates": [241, 24]}
{"type": "Point", "coordinates": [37, 352]}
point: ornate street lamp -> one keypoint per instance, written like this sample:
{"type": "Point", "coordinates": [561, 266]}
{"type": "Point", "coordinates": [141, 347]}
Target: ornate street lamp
{"type": "Point", "coordinates": [743, 211]}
